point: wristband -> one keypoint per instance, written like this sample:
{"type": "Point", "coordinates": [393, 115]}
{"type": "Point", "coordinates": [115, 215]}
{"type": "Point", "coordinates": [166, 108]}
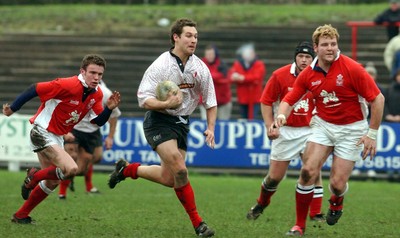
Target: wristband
{"type": "Point", "coordinates": [372, 133]}
{"type": "Point", "coordinates": [282, 117]}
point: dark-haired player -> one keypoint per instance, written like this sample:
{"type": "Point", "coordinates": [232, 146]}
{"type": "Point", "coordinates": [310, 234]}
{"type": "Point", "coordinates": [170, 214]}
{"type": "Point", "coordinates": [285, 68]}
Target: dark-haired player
{"type": "Point", "coordinates": [64, 102]}
{"type": "Point", "coordinates": [166, 123]}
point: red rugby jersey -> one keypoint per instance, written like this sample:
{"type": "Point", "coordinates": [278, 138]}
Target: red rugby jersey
{"type": "Point", "coordinates": [278, 85]}
{"type": "Point", "coordinates": [61, 104]}
{"type": "Point", "coordinates": [339, 94]}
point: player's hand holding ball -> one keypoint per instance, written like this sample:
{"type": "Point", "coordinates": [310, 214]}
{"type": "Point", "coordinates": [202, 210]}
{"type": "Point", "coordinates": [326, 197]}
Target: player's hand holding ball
{"type": "Point", "coordinates": [168, 92]}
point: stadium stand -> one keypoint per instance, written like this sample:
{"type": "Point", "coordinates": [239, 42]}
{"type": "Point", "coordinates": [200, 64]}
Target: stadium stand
{"type": "Point", "coordinates": [29, 58]}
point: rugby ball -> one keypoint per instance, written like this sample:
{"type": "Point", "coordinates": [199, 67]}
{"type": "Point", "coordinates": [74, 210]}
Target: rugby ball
{"type": "Point", "coordinates": [164, 88]}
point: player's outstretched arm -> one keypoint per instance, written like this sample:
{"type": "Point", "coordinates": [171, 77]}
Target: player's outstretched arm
{"type": "Point", "coordinates": [24, 97]}
{"type": "Point", "coordinates": [112, 102]}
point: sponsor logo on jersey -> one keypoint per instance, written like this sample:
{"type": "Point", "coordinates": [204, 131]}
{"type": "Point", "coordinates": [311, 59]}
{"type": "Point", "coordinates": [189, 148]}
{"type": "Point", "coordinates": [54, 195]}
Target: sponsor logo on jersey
{"type": "Point", "coordinates": [329, 97]}
{"type": "Point", "coordinates": [91, 103]}
{"type": "Point", "coordinates": [339, 80]}
{"type": "Point", "coordinates": [315, 83]}
{"type": "Point", "coordinates": [186, 85]}
{"type": "Point", "coordinates": [74, 118]}
{"type": "Point", "coordinates": [302, 104]}
{"type": "Point", "coordinates": [75, 102]}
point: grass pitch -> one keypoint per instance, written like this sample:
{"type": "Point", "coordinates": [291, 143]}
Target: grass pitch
{"type": "Point", "coordinates": [144, 209]}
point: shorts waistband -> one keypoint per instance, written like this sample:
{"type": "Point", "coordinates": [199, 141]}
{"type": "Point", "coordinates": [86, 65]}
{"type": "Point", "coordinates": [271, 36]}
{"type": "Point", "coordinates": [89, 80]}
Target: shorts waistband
{"type": "Point", "coordinates": [166, 118]}
{"type": "Point", "coordinates": [157, 113]}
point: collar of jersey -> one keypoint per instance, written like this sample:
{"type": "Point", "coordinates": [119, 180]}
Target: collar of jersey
{"type": "Point", "coordinates": [80, 77]}
{"type": "Point", "coordinates": [314, 63]}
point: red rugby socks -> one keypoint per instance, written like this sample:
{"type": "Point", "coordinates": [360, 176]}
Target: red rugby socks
{"type": "Point", "coordinates": [185, 195]}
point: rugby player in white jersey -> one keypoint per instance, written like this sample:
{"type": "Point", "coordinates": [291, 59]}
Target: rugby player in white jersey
{"type": "Point", "coordinates": [166, 123]}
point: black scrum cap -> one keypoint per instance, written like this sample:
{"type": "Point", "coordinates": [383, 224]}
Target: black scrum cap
{"type": "Point", "coordinates": [304, 47]}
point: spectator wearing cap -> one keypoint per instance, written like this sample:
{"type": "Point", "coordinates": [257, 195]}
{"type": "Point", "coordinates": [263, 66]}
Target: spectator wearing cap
{"type": "Point", "coordinates": [390, 16]}
{"type": "Point", "coordinates": [288, 142]}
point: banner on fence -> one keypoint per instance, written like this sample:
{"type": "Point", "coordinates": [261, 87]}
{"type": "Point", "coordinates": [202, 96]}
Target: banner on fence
{"type": "Point", "coordinates": [239, 144]}
{"type": "Point", "coordinates": [14, 138]}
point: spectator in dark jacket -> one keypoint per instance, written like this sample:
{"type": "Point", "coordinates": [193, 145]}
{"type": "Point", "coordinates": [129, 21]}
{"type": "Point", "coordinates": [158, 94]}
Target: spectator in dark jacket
{"type": "Point", "coordinates": [390, 16]}
{"type": "Point", "coordinates": [392, 99]}
{"type": "Point", "coordinates": [392, 112]}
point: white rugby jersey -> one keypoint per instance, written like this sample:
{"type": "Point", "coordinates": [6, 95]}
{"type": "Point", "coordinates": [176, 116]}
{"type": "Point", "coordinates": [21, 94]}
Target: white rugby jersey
{"type": "Point", "coordinates": [194, 82]}
{"type": "Point", "coordinates": [85, 125]}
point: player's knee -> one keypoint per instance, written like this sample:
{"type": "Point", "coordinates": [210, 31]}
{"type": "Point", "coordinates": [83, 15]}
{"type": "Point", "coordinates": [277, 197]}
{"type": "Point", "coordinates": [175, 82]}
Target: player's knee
{"type": "Point", "coordinates": [181, 177]}
{"type": "Point", "coordinates": [181, 174]}
{"type": "Point", "coordinates": [305, 175]}
{"type": "Point", "coordinates": [337, 186]}
{"type": "Point", "coordinates": [51, 184]}
{"type": "Point", "coordinates": [271, 182]}
{"type": "Point", "coordinates": [309, 173]}
{"type": "Point", "coordinates": [71, 171]}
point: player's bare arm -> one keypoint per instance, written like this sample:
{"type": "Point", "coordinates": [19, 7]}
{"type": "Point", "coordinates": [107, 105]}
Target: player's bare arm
{"type": "Point", "coordinates": [283, 113]}
{"type": "Point", "coordinates": [267, 114]}
{"type": "Point", "coordinates": [24, 97]}
{"type": "Point", "coordinates": [369, 140]}
{"type": "Point", "coordinates": [209, 132]}
{"type": "Point", "coordinates": [109, 140]}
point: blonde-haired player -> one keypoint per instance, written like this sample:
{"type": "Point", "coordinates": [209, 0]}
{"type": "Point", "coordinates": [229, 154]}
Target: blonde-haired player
{"type": "Point", "coordinates": [339, 86]}
{"type": "Point", "coordinates": [289, 141]}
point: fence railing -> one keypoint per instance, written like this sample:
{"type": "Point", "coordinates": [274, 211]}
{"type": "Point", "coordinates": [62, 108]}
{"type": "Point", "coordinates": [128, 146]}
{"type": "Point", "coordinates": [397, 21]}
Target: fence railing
{"type": "Point", "coordinates": [354, 32]}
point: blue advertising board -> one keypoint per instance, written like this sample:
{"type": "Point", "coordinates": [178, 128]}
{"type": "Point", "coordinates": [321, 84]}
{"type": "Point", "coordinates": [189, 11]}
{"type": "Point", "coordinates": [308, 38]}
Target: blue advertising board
{"type": "Point", "coordinates": [239, 144]}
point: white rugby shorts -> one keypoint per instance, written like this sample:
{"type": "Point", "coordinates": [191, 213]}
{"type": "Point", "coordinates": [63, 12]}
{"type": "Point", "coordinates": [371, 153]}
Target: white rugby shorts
{"type": "Point", "coordinates": [290, 143]}
{"type": "Point", "coordinates": [342, 137]}
{"type": "Point", "coordinates": [41, 138]}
